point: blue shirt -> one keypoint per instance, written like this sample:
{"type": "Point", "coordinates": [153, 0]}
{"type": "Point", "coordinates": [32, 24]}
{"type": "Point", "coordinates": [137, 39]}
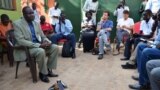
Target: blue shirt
{"type": "Point", "coordinates": [34, 38]}
{"type": "Point", "coordinates": [64, 29]}
{"type": "Point", "coordinates": [107, 24]}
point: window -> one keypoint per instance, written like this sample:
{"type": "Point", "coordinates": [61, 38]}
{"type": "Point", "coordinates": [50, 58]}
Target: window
{"type": "Point", "coordinates": [8, 4]}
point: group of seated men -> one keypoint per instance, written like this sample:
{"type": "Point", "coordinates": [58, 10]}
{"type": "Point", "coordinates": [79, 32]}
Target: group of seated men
{"type": "Point", "coordinates": [146, 46]}
{"type": "Point", "coordinates": [146, 54]}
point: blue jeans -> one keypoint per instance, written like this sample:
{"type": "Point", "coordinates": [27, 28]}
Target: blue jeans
{"type": "Point", "coordinates": [153, 69]}
{"type": "Point", "coordinates": [103, 37]}
{"type": "Point", "coordinates": [146, 55]}
{"type": "Point", "coordinates": [140, 47]}
{"type": "Point", "coordinates": [120, 35]}
{"type": "Point", "coordinates": [71, 37]}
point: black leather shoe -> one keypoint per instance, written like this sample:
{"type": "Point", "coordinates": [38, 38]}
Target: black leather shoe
{"type": "Point", "coordinates": [43, 78]}
{"type": "Point", "coordinates": [128, 66]}
{"type": "Point", "coordinates": [51, 74]}
{"type": "Point", "coordinates": [100, 57]}
{"type": "Point", "coordinates": [135, 78]}
{"type": "Point", "coordinates": [139, 87]}
{"type": "Point", "coordinates": [124, 59]}
{"type": "Point", "coordinates": [73, 55]}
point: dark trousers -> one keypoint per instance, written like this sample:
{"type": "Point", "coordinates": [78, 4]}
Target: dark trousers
{"type": "Point", "coordinates": [71, 37]}
{"type": "Point", "coordinates": [128, 46]}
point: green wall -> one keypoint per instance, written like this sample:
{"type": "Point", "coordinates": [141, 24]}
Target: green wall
{"type": "Point", "coordinates": [73, 12]}
{"type": "Point", "coordinates": [13, 14]}
{"type": "Point", "coordinates": [72, 8]}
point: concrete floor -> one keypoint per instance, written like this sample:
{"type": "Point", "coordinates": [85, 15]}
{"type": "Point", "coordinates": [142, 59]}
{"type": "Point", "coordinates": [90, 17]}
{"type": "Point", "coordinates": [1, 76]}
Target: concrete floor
{"type": "Point", "coordinates": [83, 73]}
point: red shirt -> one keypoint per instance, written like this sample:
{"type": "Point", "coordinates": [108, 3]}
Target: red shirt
{"type": "Point", "coordinates": [46, 27]}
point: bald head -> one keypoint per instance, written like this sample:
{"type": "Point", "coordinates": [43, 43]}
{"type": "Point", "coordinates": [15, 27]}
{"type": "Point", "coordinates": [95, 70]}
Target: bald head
{"type": "Point", "coordinates": [28, 14]}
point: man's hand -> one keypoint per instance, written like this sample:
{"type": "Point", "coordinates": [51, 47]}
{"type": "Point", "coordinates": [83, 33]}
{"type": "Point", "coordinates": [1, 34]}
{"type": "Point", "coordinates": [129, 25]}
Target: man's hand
{"type": "Point", "coordinates": [45, 44]}
{"type": "Point", "coordinates": [63, 21]}
{"type": "Point", "coordinates": [124, 26]}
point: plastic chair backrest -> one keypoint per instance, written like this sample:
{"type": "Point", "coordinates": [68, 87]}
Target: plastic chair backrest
{"type": "Point", "coordinates": [136, 28]}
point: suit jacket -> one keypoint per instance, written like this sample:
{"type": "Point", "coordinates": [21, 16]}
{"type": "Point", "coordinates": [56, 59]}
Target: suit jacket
{"type": "Point", "coordinates": [23, 37]}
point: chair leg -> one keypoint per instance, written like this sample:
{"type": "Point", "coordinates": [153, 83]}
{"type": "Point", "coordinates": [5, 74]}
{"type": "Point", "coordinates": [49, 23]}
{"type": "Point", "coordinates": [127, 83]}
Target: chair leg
{"type": "Point", "coordinates": [16, 76]}
{"type": "Point", "coordinates": [10, 57]}
{"type": "Point", "coordinates": [1, 56]}
{"type": "Point", "coordinates": [32, 66]}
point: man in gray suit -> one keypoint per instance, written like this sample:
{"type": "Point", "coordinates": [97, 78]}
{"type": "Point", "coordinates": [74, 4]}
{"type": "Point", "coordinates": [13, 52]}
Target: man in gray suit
{"type": "Point", "coordinates": [28, 33]}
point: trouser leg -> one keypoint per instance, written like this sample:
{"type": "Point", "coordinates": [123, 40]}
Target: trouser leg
{"type": "Point", "coordinates": [128, 47]}
{"type": "Point", "coordinates": [132, 60]}
{"type": "Point", "coordinates": [56, 37]}
{"type": "Point", "coordinates": [40, 56]}
{"type": "Point", "coordinates": [101, 45]}
{"type": "Point", "coordinates": [153, 69]}
{"type": "Point", "coordinates": [147, 54]}
{"type": "Point", "coordinates": [52, 53]}
{"type": "Point", "coordinates": [71, 37]}
{"type": "Point", "coordinates": [140, 48]}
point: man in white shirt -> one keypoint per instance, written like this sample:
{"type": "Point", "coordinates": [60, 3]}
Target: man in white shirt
{"type": "Point", "coordinates": [145, 32]}
{"type": "Point", "coordinates": [124, 28]}
{"type": "Point", "coordinates": [153, 5]}
{"type": "Point", "coordinates": [36, 14]}
{"type": "Point", "coordinates": [54, 14]}
{"type": "Point", "coordinates": [119, 10]}
{"type": "Point", "coordinates": [92, 6]}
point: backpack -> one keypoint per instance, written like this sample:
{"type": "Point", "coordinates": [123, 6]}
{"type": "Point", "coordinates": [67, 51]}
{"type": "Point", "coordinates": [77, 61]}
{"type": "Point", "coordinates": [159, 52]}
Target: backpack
{"type": "Point", "coordinates": [95, 51]}
{"type": "Point", "coordinates": [67, 49]}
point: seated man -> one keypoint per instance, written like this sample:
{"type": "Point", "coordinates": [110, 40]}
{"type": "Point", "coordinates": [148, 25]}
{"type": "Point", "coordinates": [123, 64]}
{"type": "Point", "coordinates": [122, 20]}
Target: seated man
{"type": "Point", "coordinates": [64, 31]}
{"type": "Point", "coordinates": [153, 69]}
{"type": "Point", "coordinates": [87, 24]}
{"type": "Point", "coordinates": [46, 27]}
{"type": "Point", "coordinates": [145, 31]}
{"type": "Point", "coordinates": [124, 28]}
{"type": "Point", "coordinates": [146, 52]}
{"type": "Point", "coordinates": [28, 33]}
{"type": "Point", "coordinates": [104, 27]}
{"type": "Point", "coordinates": [5, 25]}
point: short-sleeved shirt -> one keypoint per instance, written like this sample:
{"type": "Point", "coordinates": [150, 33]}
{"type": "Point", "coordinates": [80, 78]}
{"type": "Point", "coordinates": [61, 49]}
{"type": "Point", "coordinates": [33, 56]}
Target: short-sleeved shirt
{"type": "Point", "coordinates": [90, 5]}
{"type": "Point", "coordinates": [89, 23]}
{"type": "Point", "coordinates": [153, 5]}
{"type": "Point", "coordinates": [46, 27]}
{"type": "Point", "coordinates": [36, 14]}
{"type": "Point", "coordinates": [129, 22]}
{"type": "Point", "coordinates": [54, 12]}
{"type": "Point", "coordinates": [4, 29]}
{"type": "Point", "coordinates": [119, 12]}
{"type": "Point", "coordinates": [146, 27]}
